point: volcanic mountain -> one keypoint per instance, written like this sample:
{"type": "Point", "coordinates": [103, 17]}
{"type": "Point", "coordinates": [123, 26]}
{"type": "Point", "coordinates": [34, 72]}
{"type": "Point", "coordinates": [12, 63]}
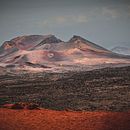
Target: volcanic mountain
{"type": "Point", "coordinates": [121, 50]}
{"type": "Point", "coordinates": [47, 51]}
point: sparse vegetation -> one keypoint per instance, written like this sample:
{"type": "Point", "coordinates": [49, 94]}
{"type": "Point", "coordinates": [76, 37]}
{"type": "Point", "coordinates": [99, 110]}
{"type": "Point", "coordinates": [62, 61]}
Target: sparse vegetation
{"type": "Point", "coordinates": [103, 89]}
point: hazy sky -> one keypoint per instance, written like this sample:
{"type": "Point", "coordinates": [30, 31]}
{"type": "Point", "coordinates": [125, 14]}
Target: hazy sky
{"type": "Point", "coordinates": [105, 22]}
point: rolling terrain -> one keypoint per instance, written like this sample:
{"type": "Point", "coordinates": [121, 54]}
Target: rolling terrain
{"type": "Point", "coordinates": [102, 89]}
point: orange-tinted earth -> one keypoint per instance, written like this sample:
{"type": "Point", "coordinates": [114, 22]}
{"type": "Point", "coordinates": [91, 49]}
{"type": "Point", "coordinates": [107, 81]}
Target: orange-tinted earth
{"type": "Point", "coordinates": [62, 120]}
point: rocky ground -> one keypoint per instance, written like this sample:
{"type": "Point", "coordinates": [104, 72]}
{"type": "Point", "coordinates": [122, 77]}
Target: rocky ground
{"type": "Point", "coordinates": [101, 89]}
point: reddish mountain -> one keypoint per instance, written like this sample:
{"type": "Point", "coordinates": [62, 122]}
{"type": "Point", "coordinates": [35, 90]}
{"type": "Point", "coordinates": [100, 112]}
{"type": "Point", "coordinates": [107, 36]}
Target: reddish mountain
{"type": "Point", "coordinates": [49, 50]}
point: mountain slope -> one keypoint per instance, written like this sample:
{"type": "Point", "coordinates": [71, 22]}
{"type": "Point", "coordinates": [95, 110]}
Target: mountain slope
{"type": "Point", "coordinates": [47, 50]}
{"type": "Point", "coordinates": [22, 43]}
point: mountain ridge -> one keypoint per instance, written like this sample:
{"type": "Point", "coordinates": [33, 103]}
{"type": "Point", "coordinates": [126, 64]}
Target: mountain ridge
{"type": "Point", "coordinates": [48, 50]}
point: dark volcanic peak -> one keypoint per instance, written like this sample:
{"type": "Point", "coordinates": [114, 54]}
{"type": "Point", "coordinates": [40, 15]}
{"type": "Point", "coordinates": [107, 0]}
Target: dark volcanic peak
{"type": "Point", "coordinates": [28, 37]}
{"type": "Point", "coordinates": [76, 38]}
{"type": "Point", "coordinates": [51, 39]}
{"type": "Point", "coordinates": [28, 41]}
{"type": "Point", "coordinates": [32, 38]}
{"type": "Point", "coordinates": [79, 39]}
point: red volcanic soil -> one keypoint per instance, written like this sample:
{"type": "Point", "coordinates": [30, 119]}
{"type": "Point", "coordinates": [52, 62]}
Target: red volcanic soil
{"type": "Point", "coordinates": [62, 120]}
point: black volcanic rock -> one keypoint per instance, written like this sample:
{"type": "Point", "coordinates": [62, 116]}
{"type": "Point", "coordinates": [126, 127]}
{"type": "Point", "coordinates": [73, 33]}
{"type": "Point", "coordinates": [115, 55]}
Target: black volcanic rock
{"type": "Point", "coordinates": [75, 38]}
{"type": "Point", "coordinates": [48, 40]}
{"type": "Point", "coordinates": [51, 39]}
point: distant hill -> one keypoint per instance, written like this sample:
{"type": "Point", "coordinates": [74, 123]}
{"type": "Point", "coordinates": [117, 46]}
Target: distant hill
{"type": "Point", "coordinates": [121, 50]}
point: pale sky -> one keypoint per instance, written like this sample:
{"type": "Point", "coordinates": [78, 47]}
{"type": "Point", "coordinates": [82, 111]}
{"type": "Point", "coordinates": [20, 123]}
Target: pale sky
{"type": "Point", "coordinates": [104, 22]}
